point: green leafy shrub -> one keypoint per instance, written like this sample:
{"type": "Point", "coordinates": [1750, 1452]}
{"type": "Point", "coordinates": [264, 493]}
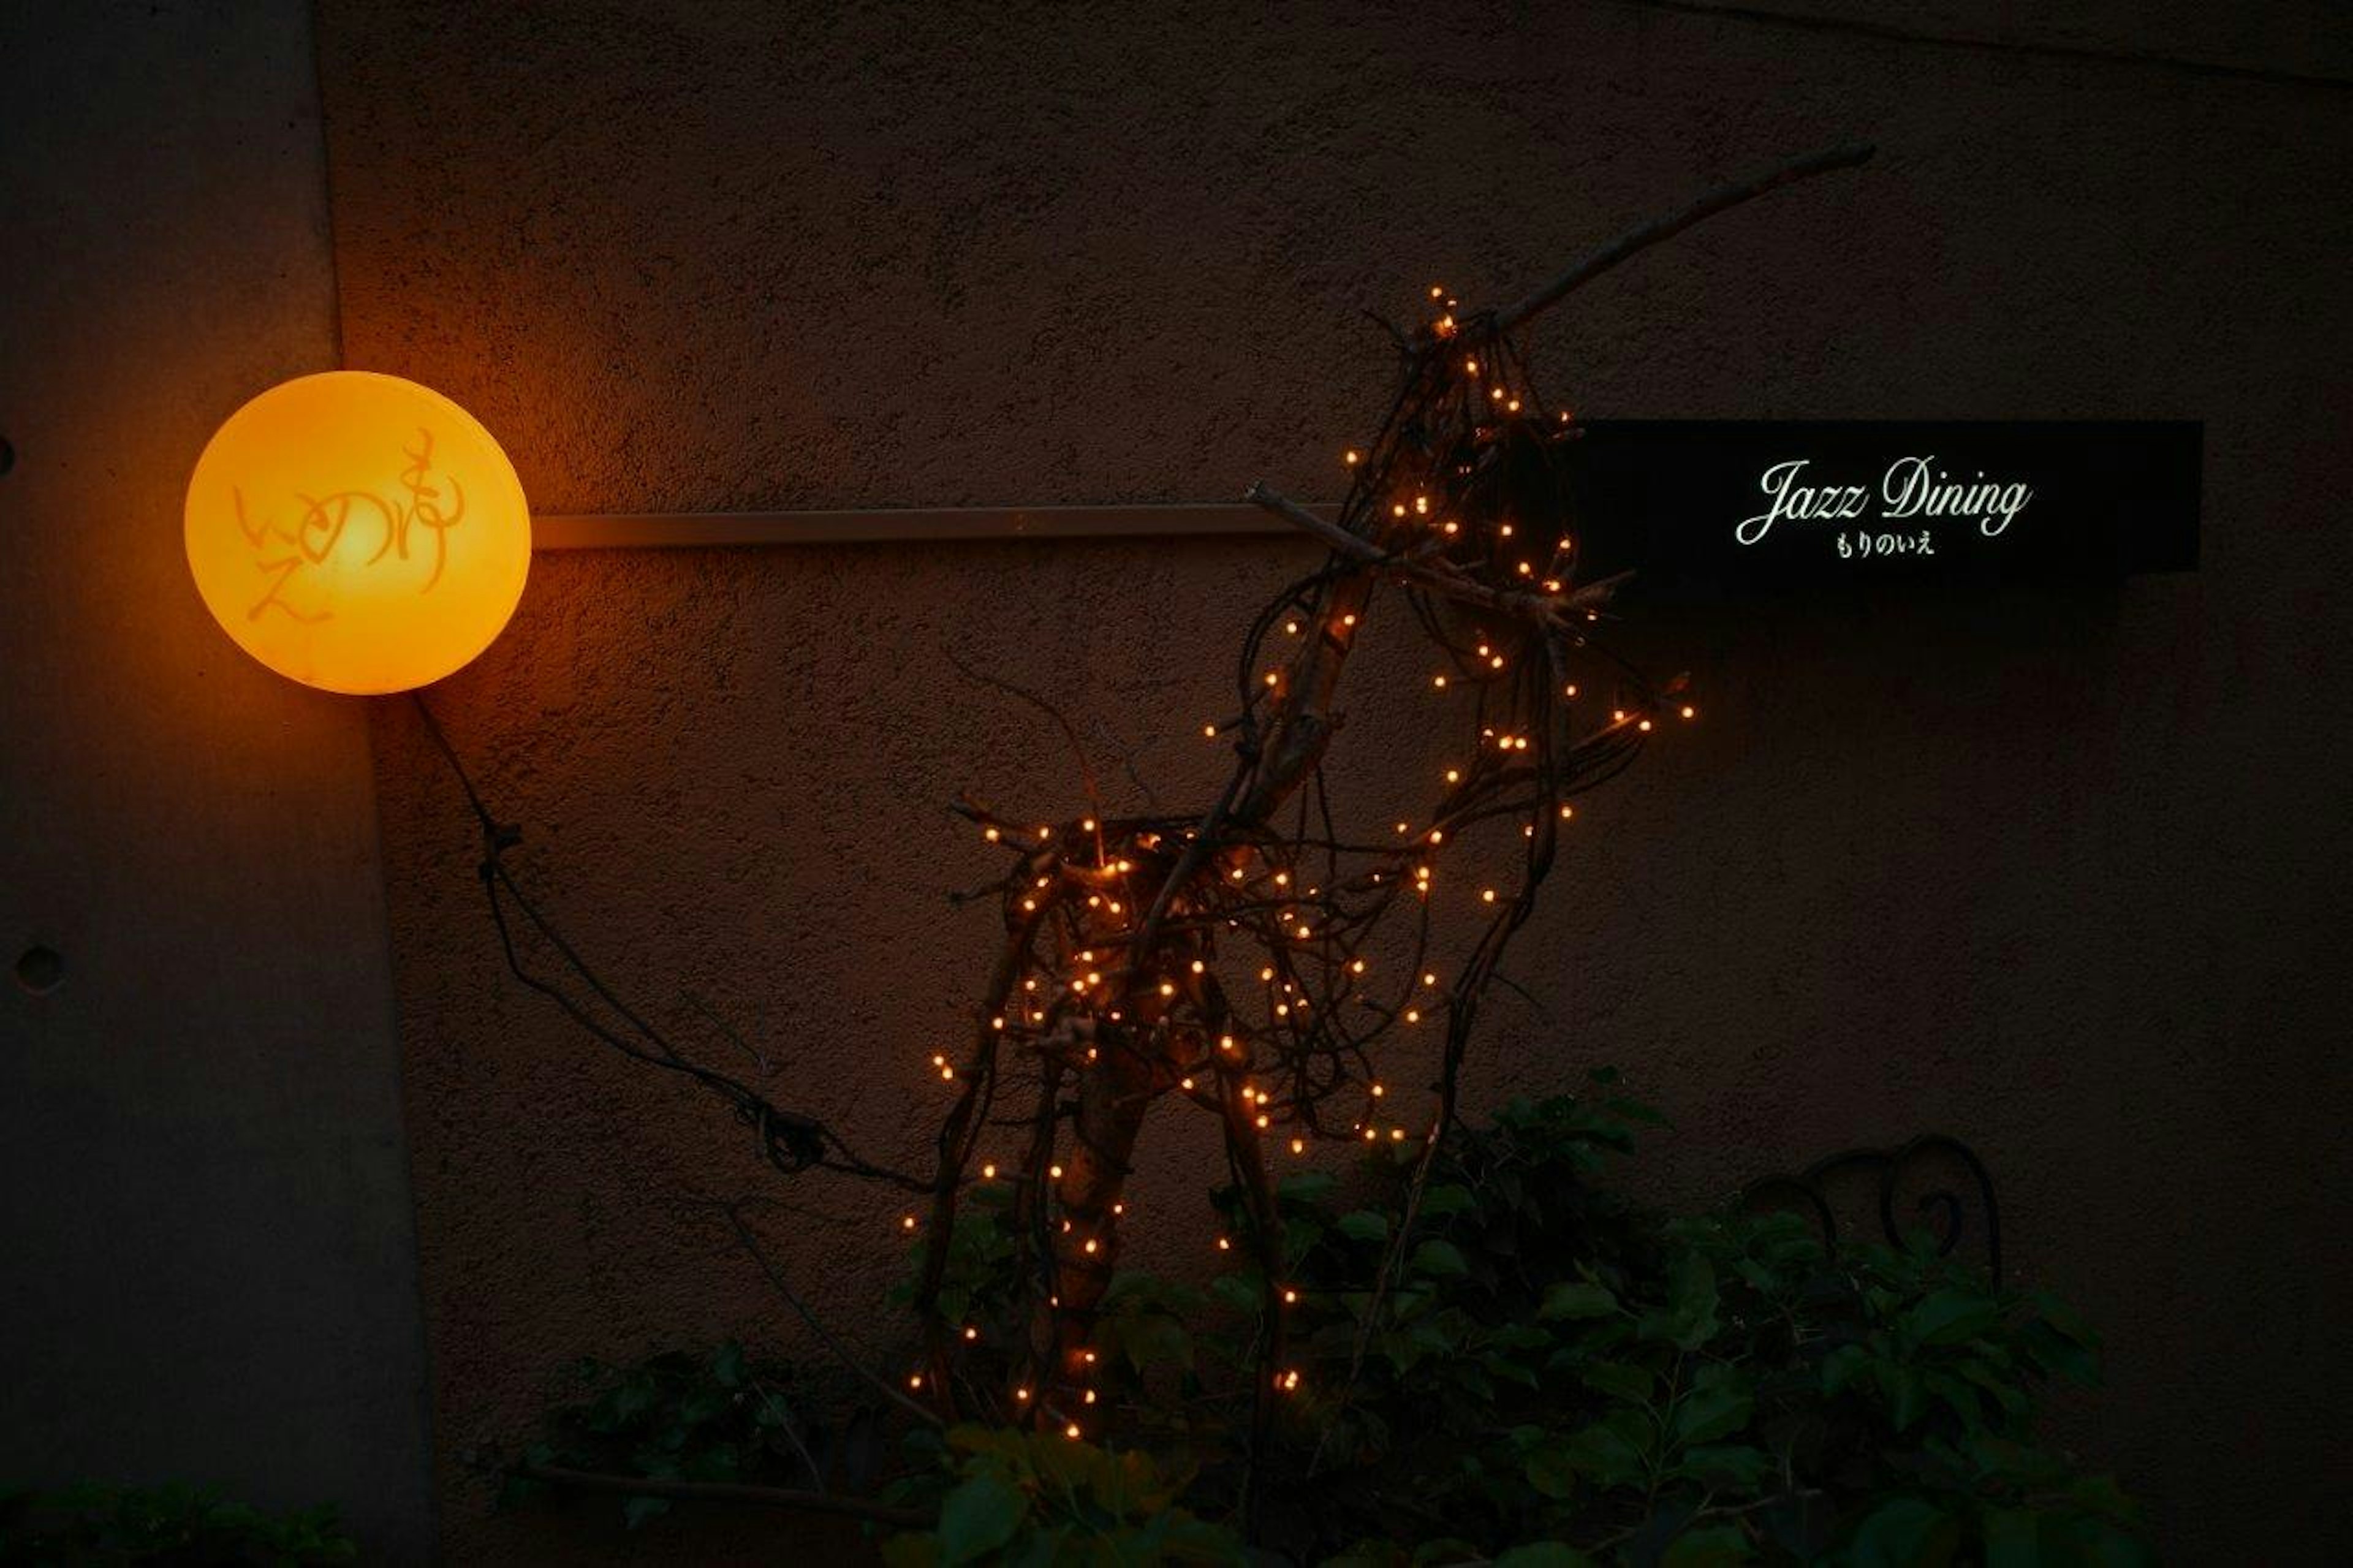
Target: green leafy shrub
{"type": "Point", "coordinates": [1500, 1359]}
{"type": "Point", "coordinates": [1509, 1362]}
{"type": "Point", "coordinates": [976, 1282]}
{"type": "Point", "coordinates": [1043, 1501]}
{"type": "Point", "coordinates": [176, 1524]}
{"type": "Point", "coordinates": [716, 1416]}
{"type": "Point", "coordinates": [1548, 1367]}
{"type": "Point", "coordinates": [1144, 1333]}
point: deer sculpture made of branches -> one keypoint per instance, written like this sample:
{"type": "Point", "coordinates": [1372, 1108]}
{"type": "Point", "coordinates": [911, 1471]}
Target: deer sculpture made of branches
{"type": "Point", "coordinates": [1253, 959]}
{"type": "Point", "coordinates": [1257, 960]}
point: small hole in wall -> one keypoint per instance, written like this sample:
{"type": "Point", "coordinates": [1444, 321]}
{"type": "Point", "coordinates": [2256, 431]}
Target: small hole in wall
{"type": "Point", "coordinates": [7, 454]}
{"type": "Point", "coordinates": [40, 969]}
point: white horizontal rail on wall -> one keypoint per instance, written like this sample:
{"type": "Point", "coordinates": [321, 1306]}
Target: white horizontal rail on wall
{"type": "Point", "coordinates": [682, 530]}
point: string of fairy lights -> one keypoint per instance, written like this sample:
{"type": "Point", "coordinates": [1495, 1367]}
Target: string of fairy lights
{"type": "Point", "coordinates": [1258, 960]}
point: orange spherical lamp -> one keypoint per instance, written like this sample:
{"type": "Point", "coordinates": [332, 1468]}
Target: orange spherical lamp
{"type": "Point", "coordinates": [357, 532]}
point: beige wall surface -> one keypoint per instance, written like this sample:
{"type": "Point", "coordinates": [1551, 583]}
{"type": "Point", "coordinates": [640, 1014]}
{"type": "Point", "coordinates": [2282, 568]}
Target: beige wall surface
{"type": "Point", "coordinates": [208, 1266]}
{"type": "Point", "coordinates": [2063, 874]}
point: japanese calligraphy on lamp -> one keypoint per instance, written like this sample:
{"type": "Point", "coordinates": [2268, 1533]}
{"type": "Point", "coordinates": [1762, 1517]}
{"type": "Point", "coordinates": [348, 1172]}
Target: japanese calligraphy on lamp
{"type": "Point", "coordinates": [357, 532]}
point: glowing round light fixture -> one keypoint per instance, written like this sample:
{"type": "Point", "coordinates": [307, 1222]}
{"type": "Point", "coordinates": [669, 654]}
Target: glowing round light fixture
{"type": "Point", "coordinates": [357, 532]}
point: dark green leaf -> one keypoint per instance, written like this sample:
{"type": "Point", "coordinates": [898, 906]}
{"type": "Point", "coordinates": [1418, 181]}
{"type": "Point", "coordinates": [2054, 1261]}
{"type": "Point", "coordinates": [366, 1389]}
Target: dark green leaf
{"type": "Point", "coordinates": [1543, 1554]}
{"type": "Point", "coordinates": [1307, 1187]}
{"type": "Point", "coordinates": [1949, 1317]}
{"type": "Point", "coordinates": [1365, 1225]}
{"type": "Point", "coordinates": [1444, 1199]}
{"type": "Point", "coordinates": [1236, 1292]}
{"type": "Point", "coordinates": [1709, 1546]}
{"type": "Point", "coordinates": [2063, 1319]}
{"type": "Point", "coordinates": [2061, 1354]}
{"type": "Point", "coordinates": [1707, 1413]}
{"type": "Point", "coordinates": [1551, 1471]}
{"type": "Point", "coordinates": [1904, 1532]}
{"type": "Point", "coordinates": [1621, 1380]}
{"type": "Point", "coordinates": [1519, 1337]}
{"type": "Point", "coordinates": [1438, 1259]}
{"type": "Point", "coordinates": [1691, 1287]}
{"type": "Point", "coordinates": [1727, 1466]}
{"type": "Point", "coordinates": [1844, 1366]}
{"type": "Point", "coordinates": [1508, 1368]}
{"type": "Point", "coordinates": [1907, 1395]}
{"type": "Point", "coordinates": [2005, 1390]}
{"type": "Point", "coordinates": [727, 1365]}
{"type": "Point", "coordinates": [978, 1517]}
{"type": "Point", "coordinates": [1611, 1450]}
{"type": "Point", "coordinates": [1958, 1396]}
{"type": "Point", "coordinates": [1153, 1339]}
{"type": "Point", "coordinates": [1577, 1299]}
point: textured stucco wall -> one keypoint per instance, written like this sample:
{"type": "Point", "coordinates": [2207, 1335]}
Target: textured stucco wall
{"type": "Point", "coordinates": [208, 1266]}
{"type": "Point", "coordinates": [2060, 873]}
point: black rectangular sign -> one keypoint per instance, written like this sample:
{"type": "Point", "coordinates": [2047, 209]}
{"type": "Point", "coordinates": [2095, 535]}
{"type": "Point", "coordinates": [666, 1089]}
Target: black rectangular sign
{"type": "Point", "coordinates": [1704, 508]}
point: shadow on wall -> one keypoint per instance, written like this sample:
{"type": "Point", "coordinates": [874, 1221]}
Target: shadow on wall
{"type": "Point", "coordinates": [204, 1193]}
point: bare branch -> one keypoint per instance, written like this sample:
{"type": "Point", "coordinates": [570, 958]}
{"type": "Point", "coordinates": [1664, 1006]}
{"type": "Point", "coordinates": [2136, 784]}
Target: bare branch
{"type": "Point", "coordinates": [1846, 156]}
{"type": "Point", "coordinates": [751, 1244]}
{"type": "Point", "coordinates": [1061, 721]}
